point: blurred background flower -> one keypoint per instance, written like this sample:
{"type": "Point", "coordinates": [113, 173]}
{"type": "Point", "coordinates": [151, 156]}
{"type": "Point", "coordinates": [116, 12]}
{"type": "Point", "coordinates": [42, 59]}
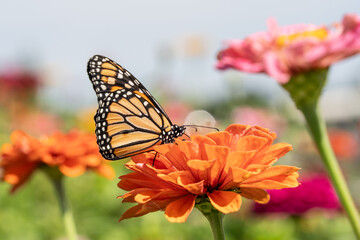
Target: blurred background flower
{"type": "Point", "coordinates": [57, 155]}
{"type": "Point", "coordinates": [315, 192]}
{"type": "Point", "coordinates": [18, 84]}
{"type": "Point", "coordinates": [177, 111]}
{"type": "Point", "coordinates": [260, 117]}
{"type": "Point", "coordinates": [345, 144]}
{"type": "Point", "coordinates": [72, 153]}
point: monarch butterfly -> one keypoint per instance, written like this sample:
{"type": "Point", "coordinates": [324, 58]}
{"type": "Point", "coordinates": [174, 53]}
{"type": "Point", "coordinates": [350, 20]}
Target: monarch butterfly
{"type": "Point", "coordinates": [128, 120]}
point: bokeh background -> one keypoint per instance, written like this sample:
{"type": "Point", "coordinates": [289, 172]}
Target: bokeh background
{"type": "Point", "coordinates": [171, 48]}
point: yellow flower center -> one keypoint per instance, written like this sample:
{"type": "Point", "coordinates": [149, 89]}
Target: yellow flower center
{"type": "Point", "coordinates": [320, 34]}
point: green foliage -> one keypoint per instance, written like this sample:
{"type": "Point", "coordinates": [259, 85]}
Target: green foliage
{"type": "Point", "coordinates": [32, 213]}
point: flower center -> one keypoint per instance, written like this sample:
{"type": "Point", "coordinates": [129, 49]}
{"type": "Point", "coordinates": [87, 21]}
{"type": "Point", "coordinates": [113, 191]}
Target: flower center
{"type": "Point", "coordinates": [320, 34]}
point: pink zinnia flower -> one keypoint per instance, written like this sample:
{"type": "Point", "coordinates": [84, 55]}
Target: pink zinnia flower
{"type": "Point", "coordinates": [315, 191]}
{"type": "Point", "coordinates": [259, 117]}
{"type": "Point", "coordinates": [285, 51]}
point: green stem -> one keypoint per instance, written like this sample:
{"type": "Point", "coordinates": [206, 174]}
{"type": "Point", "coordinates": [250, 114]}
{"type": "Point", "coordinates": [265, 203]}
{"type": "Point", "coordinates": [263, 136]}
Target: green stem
{"type": "Point", "coordinates": [215, 219]}
{"type": "Point", "coordinates": [65, 206]}
{"type": "Point", "coordinates": [318, 131]}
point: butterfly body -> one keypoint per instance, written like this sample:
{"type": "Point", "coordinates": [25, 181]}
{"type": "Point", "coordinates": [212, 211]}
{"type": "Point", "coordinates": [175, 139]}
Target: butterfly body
{"type": "Point", "coordinates": [129, 120]}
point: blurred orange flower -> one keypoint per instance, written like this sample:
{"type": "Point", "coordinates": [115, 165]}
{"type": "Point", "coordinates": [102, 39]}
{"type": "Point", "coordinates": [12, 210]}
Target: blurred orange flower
{"type": "Point", "coordinates": [220, 167]}
{"type": "Point", "coordinates": [344, 143]}
{"type": "Point", "coordinates": [19, 159]}
{"type": "Point", "coordinates": [73, 153]}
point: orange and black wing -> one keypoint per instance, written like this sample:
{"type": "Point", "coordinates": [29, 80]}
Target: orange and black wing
{"type": "Point", "coordinates": [129, 120]}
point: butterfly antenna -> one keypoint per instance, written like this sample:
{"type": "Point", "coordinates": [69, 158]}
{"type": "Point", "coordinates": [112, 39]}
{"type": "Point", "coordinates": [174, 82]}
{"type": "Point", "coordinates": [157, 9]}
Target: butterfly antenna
{"type": "Point", "coordinates": [196, 126]}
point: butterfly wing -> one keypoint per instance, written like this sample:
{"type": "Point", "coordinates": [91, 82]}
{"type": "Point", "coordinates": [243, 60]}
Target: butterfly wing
{"type": "Point", "coordinates": [108, 76]}
{"type": "Point", "coordinates": [129, 120]}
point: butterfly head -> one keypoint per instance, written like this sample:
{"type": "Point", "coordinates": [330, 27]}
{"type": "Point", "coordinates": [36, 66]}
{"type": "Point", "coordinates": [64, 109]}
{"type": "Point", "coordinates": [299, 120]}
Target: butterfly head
{"type": "Point", "coordinates": [178, 130]}
{"type": "Point", "coordinates": [169, 137]}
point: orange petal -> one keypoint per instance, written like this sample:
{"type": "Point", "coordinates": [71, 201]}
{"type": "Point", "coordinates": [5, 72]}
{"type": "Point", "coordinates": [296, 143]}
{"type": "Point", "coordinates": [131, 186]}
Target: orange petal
{"type": "Point", "coordinates": [276, 177]}
{"type": "Point", "coordinates": [220, 138]}
{"type": "Point", "coordinates": [148, 170]}
{"type": "Point", "coordinates": [236, 131]}
{"type": "Point", "coordinates": [140, 158]}
{"type": "Point", "coordinates": [202, 141]}
{"type": "Point", "coordinates": [136, 211]}
{"type": "Point", "coordinates": [174, 154]}
{"type": "Point", "coordinates": [262, 132]}
{"type": "Point", "coordinates": [233, 177]}
{"type": "Point", "coordinates": [258, 195]}
{"type": "Point", "coordinates": [181, 179]}
{"type": "Point", "coordinates": [6, 149]}
{"type": "Point", "coordinates": [173, 176]}
{"type": "Point", "coordinates": [106, 171]}
{"type": "Point", "coordinates": [194, 188]}
{"type": "Point", "coordinates": [201, 169]}
{"type": "Point", "coordinates": [240, 159]}
{"type": "Point", "coordinates": [150, 197]}
{"type": "Point", "coordinates": [186, 177]}
{"type": "Point", "coordinates": [186, 180]}
{"type": "Point", "coordinates": [257, 168]}
{"type": "Point", "coordinates": [249, 143]}
{"type": "Point", "coordinates": [189, 149]}
{"type": "Point", "coordinates": [134, 180]}
{"type": "Point", "coordinates": [199, 139]}
{"type": "Point", "coordinates": [265, 130]}
{"type": "Point", "coordinates": [169, 195]}
{"type": "Point", "coordinates": [179, 210]}
{"type": "Point", "coordinates": [220, 154]}
{"type": "Point", "coordinates": [18, 174]}
{"type": "Point", "coordinates": [273, 152]}
{"type": "Point", "coordinates": [91, 160]}
{"type": "Point", "coordinates": [224, 201]}
{"type": "Point", "coordinates": [72, 168]}
{"type": "Point", "coordinates": [145, 195]}
{"type": "Point", "coordinates": [278, 150]}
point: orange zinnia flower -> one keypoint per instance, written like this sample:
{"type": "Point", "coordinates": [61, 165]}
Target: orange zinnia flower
{"type": "Point", "coordinates": [19, 159]}
{"type": "Point", "coordinates": [220, 167]}
{"type": "Point", "coordinates": [73, 153]}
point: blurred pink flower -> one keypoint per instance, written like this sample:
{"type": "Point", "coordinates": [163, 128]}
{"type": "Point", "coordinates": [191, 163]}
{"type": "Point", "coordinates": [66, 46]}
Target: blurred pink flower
{"type": "Point", "coordinates": [285, 51]}
{"type": "Point", "coordinates": [259, 117]}
{"type": "Point", "coordinates": [18, 88]}
{"type": "Point", "coordinates": [177, 111]}
{"type": "Point", "coordinates": [36, 123]}
{"type": "Point", "coordinates": [315, 191]}
{"type": "Point", "coordinates": [19, 79]}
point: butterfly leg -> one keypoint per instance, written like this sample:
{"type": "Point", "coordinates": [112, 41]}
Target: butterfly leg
{"type": "Point", "coordinates": [154, 159]}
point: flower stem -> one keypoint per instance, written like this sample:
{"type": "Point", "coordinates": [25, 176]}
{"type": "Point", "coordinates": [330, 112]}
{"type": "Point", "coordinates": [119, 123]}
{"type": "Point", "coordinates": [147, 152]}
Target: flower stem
{"type": "Point", "coordinates": [214, 217]}
{"type": "Point", "coordinates": [56, 179]}
{"type": "Point", "coordinates": [318, 131]}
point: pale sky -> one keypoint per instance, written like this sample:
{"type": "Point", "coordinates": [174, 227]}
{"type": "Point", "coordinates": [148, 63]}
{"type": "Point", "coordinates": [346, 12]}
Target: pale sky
{"type": "Point", "coordinates": [58, 37]}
